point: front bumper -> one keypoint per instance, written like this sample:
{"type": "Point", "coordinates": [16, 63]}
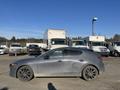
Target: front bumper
{"type": "Point", "coordinates": [13, 70]}
{"type": "Point", "coordinates": [104, 53]}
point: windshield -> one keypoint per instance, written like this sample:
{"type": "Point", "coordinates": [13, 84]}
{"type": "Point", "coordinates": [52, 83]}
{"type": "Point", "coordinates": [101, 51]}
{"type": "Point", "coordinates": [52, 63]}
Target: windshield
{"type": "Point", "coordinates": [117, 43]}
{"type": "Point", "coordinates": [78, 43]}
{"type": "Point", "coordinates": [15, 45]}
{"type": "Point", "coordinates": [58, 41]}
{"type": "Point", "coordinates": [97, 44]}
{"type": "Point", "coordinates": [1, 48]}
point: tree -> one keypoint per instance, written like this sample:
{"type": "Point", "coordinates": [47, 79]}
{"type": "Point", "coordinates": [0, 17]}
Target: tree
{"type": "Point", "coordinates": [2, 39]}
{"type": "Point", "coordinates": [13, 39]}
{"type": "Point", "coordinates": [116, 37]}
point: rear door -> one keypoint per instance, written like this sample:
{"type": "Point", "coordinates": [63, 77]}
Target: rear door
{"type": "Point", "coordinates": [72, 58]}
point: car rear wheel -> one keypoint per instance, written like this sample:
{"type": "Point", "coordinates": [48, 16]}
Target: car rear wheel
{"type": "Point", "coordinates": [89, 72]}
{"type": "Point", "coordinates": [25, 73]}
{"type": "Point", "coordinates": [116, 54]}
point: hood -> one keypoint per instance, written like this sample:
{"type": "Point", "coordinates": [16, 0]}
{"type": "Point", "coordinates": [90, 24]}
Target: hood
{"type": "Point", "coordinates": [25, 61]}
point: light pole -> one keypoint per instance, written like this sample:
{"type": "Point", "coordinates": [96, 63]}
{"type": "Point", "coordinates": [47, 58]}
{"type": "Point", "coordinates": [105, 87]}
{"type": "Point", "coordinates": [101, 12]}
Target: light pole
{"type": "Point", "coordinates": [93, 20]}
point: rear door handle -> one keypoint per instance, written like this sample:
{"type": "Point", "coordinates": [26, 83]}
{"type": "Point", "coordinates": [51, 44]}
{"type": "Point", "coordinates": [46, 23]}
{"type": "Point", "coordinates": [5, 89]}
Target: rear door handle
{"type": "Point", "coordinates": [81, 60]}
{"type": "Point", "coordinates": [59, 60]}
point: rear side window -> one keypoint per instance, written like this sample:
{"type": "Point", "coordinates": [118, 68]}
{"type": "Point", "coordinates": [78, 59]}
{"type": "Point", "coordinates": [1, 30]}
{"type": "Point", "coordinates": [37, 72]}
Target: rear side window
{"type": "Point", "coordinates": [72, 52]}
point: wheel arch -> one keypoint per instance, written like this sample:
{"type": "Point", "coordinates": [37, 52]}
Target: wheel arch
{"type": "Point", "coordinates": [22, 66]}
{"type": "Point", "coordinates": [89, 65]}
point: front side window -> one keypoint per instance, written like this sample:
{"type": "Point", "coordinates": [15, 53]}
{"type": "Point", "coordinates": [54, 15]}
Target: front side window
{"type": "Point", "coordinates": [55, 54]}
{"type": "Point", "coordinates": [33, 46]}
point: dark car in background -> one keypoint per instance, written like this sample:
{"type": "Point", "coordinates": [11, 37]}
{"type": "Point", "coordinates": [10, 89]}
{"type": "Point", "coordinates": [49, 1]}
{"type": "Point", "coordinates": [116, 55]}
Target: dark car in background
{"type": "Point", "coordinates": [34, 50]}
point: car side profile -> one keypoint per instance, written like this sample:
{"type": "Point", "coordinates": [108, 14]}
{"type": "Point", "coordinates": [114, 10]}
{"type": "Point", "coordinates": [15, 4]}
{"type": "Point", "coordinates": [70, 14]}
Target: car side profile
{"type": "Point", "coordinates": [67, 61]}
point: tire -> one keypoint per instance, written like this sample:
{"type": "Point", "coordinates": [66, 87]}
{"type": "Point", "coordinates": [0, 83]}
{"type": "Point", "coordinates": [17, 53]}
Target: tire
{"type": "Point", "coordinates": [116, 54]}
{"type": "Point", "coordinates": [89, 72]}
{"type": "Point", "coordinates": [25, 73]}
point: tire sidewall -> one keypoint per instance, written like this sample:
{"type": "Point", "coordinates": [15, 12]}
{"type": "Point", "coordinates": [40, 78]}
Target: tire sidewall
{"type": "Point", "coordinates": [84, 70]}
{"type": "Point", "coordinates": [30, 70]}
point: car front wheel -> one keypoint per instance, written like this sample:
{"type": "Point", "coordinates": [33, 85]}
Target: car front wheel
{"type": "Point", "coordinates": [89, 72]}
{"type": "Point", "coordinates": [25, 73]}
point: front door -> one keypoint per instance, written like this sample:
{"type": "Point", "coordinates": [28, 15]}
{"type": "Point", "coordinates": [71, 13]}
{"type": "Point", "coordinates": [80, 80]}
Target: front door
{"type": "Point", "coordinates": [53, 64]}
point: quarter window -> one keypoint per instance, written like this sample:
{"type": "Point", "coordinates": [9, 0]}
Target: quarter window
{"type": "Point", "coordinates": [72, 52]}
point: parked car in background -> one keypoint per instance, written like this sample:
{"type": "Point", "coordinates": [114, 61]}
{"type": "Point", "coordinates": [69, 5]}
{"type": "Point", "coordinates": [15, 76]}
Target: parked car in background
{"type": "Point", "coordinates": [79, 43]}
{"type": "Point", "coordinates": [115, 48]}
{"type": "Point", "coordinates": [16, 49]}
{"type": "Point", "coordinates": [97, 44]}
{"type": "Point", "coordinates": [3, 50]}
{"type": "Point", "coordinates": [34, 49]}
{"type": "Point", "coordinates": [59, 62]}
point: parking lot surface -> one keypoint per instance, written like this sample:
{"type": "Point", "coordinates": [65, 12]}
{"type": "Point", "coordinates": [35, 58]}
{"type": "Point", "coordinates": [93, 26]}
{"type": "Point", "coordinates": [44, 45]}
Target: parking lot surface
{"type": "Point", "coordinates": [109, 80]}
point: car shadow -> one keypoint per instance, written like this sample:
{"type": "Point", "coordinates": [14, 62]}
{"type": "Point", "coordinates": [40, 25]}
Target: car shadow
{"type": "Point", "coordinates": [51, 86]}
{"type": "Point", "coordinates": [4, 88]}
{"type": "Point", "coordinates": [63, 77]}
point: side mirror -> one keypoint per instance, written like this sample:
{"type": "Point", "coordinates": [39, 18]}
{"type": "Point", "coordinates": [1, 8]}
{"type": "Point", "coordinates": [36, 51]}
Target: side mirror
{"type": "Point", "coordinates": [46, 57]}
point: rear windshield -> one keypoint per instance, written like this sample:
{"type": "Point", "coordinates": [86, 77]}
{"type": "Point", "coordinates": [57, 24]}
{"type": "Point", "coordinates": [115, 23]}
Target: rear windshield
{"type": "Point", "coordinates": [1, 48]}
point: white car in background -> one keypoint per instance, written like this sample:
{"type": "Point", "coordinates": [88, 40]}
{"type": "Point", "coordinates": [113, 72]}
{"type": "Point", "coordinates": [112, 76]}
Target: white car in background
{"type": "Point", "coordinates": [3, 50]}
{"type": "Point", "coordinates": [79, 44]}
{"type": "Point", "coordinates": [16, 49]}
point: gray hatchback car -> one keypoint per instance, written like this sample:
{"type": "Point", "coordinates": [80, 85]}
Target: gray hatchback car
{"type": "Point", "coordinates": [60, 62]}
